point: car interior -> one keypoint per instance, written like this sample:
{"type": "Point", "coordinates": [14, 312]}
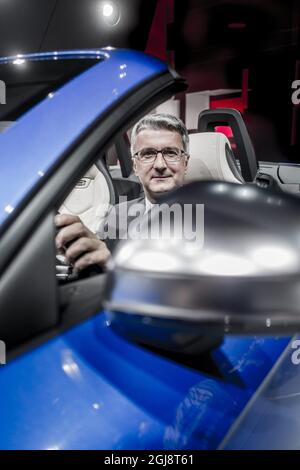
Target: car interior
{"type": "Point", "coordinates": [212, 157]}
{"type": "Point", "coordinates": [111, 176]}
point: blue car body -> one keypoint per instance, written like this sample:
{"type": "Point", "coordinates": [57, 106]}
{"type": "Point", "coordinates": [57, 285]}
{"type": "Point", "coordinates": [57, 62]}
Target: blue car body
{"type": "Point", "coordinates": [47, 131]}
{"type": "Point", "coordinates": [88, 388]}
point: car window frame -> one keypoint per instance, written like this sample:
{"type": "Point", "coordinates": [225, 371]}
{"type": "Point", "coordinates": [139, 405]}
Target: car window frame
{"type": "Point", "coordinates": [72, 166]}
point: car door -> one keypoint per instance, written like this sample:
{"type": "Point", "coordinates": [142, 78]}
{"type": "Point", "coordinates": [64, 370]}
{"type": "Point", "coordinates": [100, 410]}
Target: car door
{"type": "Point", "coordinates": [71, 382]}
{"type": "Point", "coordinates": [42, 158]}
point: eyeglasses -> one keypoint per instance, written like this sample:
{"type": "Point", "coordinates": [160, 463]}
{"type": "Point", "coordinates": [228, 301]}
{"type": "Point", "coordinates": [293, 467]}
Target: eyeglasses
{"type": "Point", "coordinates": [170, 154]}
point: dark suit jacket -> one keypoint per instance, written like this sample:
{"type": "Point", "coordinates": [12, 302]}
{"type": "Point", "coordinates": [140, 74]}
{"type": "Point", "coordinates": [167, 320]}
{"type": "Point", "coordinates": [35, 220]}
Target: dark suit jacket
{"type": "Point", "coordinates": [120, 219]}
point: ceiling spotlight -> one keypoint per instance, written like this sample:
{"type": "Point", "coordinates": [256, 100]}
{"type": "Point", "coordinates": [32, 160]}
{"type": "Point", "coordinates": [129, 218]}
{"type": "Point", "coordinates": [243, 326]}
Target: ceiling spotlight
{"type": "Point", "coordinates": [108, 9]}
{"type": "Point", "coordinates": [111, 13]}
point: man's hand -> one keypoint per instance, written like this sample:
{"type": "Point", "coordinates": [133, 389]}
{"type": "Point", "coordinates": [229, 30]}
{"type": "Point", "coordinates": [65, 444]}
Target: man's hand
{"type": "Point", "coordinates": [82, 247]}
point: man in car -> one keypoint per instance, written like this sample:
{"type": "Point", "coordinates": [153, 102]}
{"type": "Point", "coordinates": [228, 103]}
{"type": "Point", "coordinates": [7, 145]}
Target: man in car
{"type": "Point", "coordinates": [159, 148]}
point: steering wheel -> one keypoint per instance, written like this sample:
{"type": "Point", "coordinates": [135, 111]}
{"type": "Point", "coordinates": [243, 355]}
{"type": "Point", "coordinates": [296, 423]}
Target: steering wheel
{"type": "Point", "coordinates": [65, 271]}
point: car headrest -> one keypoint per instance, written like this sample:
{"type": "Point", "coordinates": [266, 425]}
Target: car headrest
{"type": "Point", "coordinates": [211, 158]}
{"type": "Point", "coordinates": [89, 200]}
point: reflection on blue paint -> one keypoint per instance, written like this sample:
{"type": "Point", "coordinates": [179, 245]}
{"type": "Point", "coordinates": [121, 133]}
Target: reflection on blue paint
{"type": "Point", "coordinates": [91, 389]}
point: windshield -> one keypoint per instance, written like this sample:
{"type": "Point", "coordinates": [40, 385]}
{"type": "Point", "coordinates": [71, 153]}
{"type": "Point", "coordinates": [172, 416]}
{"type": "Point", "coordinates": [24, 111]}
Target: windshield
{"type": "Point", "coordinates": [28, 81]}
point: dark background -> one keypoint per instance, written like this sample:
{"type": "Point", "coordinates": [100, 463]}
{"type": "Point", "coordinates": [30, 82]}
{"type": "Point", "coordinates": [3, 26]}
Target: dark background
{"type": "Point", "coordinates": [213, 43]}
{"type": "Point", "coordinates": [45, 25]}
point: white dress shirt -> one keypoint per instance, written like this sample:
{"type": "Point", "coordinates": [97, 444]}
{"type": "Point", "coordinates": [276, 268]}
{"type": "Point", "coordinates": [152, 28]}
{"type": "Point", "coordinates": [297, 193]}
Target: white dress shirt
{"type": "Point", "coordinates": [148, 205]}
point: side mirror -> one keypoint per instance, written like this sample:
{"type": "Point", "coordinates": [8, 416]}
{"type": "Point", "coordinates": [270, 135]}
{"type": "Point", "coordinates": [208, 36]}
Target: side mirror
{"type": "Point", "coordinates": [183, 295]}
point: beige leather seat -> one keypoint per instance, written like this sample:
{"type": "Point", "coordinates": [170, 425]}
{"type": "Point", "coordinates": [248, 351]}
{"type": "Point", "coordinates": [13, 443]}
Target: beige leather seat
{"type": "Point", "coordinates": [211, 158]}
{"type": "Point", "coordinates": [89, 200]}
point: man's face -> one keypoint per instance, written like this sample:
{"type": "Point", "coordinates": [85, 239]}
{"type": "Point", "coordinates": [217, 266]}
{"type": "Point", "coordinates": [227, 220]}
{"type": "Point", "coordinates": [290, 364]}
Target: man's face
{"type": "Point", "coordinates": [159, 177]}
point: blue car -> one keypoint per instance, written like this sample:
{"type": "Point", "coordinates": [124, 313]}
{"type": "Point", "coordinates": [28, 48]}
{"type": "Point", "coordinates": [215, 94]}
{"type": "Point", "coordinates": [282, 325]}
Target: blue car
{"type": "Point", "coordinates": [72, 380]}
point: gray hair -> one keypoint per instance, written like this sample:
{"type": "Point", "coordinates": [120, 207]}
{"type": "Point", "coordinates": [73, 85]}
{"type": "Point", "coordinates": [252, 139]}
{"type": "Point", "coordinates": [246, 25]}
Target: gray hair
{"type": "Point", "coordinates": [160, 121]}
